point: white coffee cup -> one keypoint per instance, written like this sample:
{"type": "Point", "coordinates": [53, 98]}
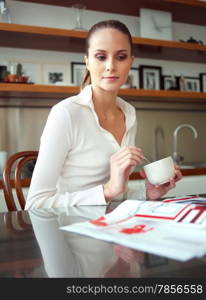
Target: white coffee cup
{"type": "Point", "coordinates": [160, 171]}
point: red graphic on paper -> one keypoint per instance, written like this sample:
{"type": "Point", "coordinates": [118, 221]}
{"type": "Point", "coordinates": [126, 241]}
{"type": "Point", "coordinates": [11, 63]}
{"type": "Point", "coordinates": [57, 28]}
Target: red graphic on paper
{"type": "Point", "coordinates": [99, 221]}
{"type": "Point", "coordinates": [141, 228]}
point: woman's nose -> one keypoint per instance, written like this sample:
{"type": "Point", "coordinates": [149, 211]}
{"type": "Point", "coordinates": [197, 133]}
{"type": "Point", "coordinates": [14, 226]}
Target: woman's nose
{"type": "Point", "coordinates": [110, 65]}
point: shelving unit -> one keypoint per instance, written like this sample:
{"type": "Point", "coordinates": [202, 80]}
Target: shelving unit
{"type": "Point", "coordinates": [56, 39]}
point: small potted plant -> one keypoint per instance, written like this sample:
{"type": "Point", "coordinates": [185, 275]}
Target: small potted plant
{"type": "Point", "coordinates": [5, 76]}
{"type": "Point", "coordinates": [11, 76]}
{"type": "Point", "coordinates": [20, 75]}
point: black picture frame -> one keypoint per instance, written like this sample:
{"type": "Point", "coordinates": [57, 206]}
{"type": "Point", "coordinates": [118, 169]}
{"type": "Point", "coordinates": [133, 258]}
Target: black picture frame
{"type": "Point", "coordinates": [77, 72]}
{"type": "Point", "coordinates": [203, 82]}
{"type": "Point", "coordinates": [150, 77]}
{"type": "Point", "coordinates": [169, 82]}
{"type": "Point", "coordinates": [2, 70]}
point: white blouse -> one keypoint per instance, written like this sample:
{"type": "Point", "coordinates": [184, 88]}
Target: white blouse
{"type": "Point", "coordinates": [74, 155]}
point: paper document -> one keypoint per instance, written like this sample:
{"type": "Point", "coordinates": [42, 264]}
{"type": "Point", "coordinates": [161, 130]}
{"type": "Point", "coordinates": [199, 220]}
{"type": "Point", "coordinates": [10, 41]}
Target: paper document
{"type": "Point", "coordinates": [174, 229]}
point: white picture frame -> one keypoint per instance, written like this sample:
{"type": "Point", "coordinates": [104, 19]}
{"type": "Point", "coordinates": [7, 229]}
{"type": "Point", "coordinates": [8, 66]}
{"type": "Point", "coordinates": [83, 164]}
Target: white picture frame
{"type": "Point", "coordinates": [31, 69]}
{"type": "Point", "coordinates": [134, 73]}
{"type": "Point", "coordinates": [55, 74]}
{"type": "Point", "coordinates": [77, 72]}
{"type": "Point", "coordinates": [132, 80]}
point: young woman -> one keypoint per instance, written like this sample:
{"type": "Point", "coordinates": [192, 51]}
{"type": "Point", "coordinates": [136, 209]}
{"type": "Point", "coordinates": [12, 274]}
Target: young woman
{"type": "Point", "coordinates": [88, 147]}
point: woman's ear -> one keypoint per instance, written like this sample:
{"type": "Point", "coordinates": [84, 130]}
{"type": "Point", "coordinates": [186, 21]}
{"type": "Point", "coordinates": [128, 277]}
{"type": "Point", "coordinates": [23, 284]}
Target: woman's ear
{"type": "Point", "coordinates": [86, 61]}
{"type": "Point", "coordinates": [132, 60]}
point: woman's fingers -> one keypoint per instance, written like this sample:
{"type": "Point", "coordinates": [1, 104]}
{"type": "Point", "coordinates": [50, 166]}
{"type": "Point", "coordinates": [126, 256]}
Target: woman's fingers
{"type": "Point", "coordinates": [128, 153]}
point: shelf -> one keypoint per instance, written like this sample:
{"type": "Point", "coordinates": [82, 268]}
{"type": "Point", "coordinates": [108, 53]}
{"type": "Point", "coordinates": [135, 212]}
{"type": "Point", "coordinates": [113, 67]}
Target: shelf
{"type": "Point", "coordinates": [37, 37]}
{"type": "Point", "coordinates": [22, 95]}
{"type": "Point", "coordinates": [185, 11]}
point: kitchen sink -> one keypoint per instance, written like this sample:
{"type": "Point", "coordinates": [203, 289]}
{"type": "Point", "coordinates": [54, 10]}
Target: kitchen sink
{"type": "Point", "coordinates": [193, 165]}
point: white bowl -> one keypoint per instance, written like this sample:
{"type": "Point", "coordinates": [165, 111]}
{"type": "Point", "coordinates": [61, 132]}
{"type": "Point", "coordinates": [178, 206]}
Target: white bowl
{"type": "Point", "coordinates": [160, 171]}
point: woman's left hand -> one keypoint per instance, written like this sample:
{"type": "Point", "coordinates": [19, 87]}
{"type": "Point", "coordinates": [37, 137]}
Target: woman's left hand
{"type": "Point", "coordinates": [154, 192]}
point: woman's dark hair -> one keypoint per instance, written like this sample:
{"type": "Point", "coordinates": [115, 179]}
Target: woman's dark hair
{"type": "Point", "coordinates": [102, 25]}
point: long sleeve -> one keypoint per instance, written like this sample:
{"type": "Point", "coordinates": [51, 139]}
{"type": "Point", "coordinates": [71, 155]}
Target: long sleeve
{"type": "Point", "coordinates": [56, 143]}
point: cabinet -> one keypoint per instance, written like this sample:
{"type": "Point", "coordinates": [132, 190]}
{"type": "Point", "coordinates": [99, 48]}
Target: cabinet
{"type": "Point", "coordinates": [36, 37]}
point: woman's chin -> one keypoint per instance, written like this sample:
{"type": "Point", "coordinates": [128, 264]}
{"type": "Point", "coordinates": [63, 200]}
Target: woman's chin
{"type": "Point", "coordinates": [111, 87]}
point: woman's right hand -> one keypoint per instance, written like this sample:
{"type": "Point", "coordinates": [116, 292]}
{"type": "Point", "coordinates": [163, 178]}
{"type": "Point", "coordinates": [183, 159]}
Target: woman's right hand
{"type": "Point", "coordinates": [121, 164]}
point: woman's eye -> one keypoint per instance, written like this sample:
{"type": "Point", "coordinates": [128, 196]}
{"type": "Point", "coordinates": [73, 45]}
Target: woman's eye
{"type": "Point", "coordinates": [100, 57]}
{"type": "Point", "coordinates": [121, 57]}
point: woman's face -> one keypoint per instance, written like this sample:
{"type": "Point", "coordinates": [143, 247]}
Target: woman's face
{"type": "Point", "coordinates": [109, 59]}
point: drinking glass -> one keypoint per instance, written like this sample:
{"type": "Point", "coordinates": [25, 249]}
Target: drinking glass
{"type": "Point", "coordinates": [78, 9]}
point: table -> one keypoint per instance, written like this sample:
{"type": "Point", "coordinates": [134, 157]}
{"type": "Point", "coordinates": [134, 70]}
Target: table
{"type": "Point", "coordinates": [33, 246]}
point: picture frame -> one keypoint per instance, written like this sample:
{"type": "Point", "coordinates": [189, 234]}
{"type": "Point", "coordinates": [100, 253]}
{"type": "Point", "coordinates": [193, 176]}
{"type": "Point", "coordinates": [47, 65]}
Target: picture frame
{"type": "Point", "coordinates": [150, 77]}
{"type": "Point", "coordinates": [169, 82]}
{"type": "Point", "coordinates": [132, 80]}
{"type": "Point", "coordinates": [3, 68]}
{"type": "Point", "coordinates": [55, 74]}
{"type": "Point", "coordinates": [203, 82]}
{"type": "Point", "coordinates": [30, 68]}
{"type": "Point", "coordinates": [77, 72]}
{"type": "Point", "coordinates": [189, 84]}
{"type": "Point", "coordinates": [134, 75]}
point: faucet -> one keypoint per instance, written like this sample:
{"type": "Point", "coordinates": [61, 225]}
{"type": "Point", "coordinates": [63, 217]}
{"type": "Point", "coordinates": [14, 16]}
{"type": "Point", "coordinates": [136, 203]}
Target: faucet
{"type": "Point", "coordinates": [176, 157]}
{"type": "Point", "coordinates": [158, 133]}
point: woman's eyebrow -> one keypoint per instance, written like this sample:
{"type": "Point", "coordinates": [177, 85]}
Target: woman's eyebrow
{"type": "Point", "coordinates": [121, 50]}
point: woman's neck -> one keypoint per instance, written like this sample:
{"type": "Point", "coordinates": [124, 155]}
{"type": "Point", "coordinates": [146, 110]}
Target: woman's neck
{"type": "Point", "coordinates": [104, 101]}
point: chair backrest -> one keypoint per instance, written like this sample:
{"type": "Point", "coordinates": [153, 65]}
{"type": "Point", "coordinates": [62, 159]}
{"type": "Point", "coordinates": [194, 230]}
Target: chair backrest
{"type": "Point", "coordinates": [12, 177]}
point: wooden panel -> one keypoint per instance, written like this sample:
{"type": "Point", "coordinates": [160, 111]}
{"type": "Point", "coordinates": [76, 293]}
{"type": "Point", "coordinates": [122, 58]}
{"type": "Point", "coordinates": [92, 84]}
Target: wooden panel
{"type": "Point", "coordinates": [37, 37]}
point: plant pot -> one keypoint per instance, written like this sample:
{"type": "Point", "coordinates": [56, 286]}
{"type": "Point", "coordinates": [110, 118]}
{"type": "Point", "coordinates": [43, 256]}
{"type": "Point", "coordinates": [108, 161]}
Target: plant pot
{"type": "Point", "coordinates": [12, 77]}
{"type": "Point", "coordinates": [22, 79]}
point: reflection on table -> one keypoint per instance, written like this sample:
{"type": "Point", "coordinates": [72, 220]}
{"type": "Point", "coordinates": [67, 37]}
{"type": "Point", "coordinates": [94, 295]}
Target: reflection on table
{"type": "Point", "coordinates": [32, 245]}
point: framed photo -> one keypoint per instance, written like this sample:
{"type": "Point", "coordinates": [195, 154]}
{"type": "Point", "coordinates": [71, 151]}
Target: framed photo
{"type": "Point", "coordinates": [3, 69]}
{"type": "Point", "coordinates": [190, 84]}
{"type": "Point", "coordinates": [31, 69]}
{"type": "Point", "coordinates": [169, 82]}
{"type": "Point", "coordinates": [77, 72]}
{"type": "Point", "coordinates": [134, 77]}
{"type": "Point", "coordinates": [203, 82]}
{"type": "Point", "coordinates": [55, 73]}
{"type": "Point", "coordinates": [150, 77]}
{"type": "Point", "coordinates": [132, 80]}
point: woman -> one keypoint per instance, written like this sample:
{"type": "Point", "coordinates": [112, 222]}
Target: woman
{"type": "Point", "coordinates": [87, 147]}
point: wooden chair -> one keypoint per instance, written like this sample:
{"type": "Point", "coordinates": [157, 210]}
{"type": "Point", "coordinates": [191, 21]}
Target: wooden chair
{"type": "Point", "coordinates": [12, 178]}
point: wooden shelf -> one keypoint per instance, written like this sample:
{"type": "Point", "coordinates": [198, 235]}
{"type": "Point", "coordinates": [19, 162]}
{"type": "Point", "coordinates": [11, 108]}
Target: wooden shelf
{"type": "Point", "coordinates": [27, 92]}
{"type": "Point", "coordinates": [37, 37]}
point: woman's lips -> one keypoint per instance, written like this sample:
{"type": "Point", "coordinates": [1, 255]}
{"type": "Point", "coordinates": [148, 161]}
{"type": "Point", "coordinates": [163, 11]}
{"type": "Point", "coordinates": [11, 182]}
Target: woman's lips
{"type": "Point", "coordinates": [112, 78]}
